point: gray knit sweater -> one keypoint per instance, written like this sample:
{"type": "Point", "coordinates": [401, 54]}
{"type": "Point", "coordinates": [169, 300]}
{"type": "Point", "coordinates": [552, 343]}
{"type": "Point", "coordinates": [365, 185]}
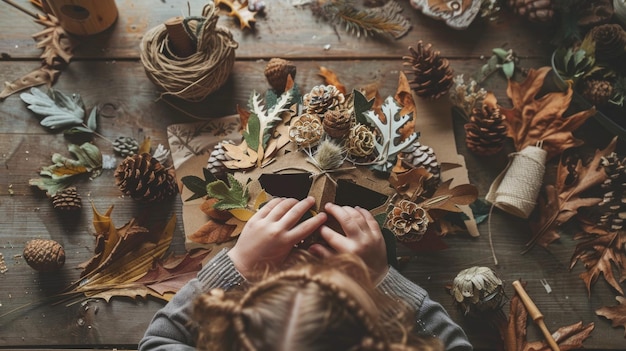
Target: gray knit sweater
{"type": "Point", "coordinates": [169, 329]}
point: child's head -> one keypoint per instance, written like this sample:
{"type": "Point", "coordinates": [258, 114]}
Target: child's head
{"type": "Point", "coordinates": [312, 305]}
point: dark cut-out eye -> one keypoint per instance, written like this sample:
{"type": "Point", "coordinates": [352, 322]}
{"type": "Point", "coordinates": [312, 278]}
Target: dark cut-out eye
{"type": "Point", "coordinates": [352, 194]}
{"type": "Point", "coordinates": [295, 185]}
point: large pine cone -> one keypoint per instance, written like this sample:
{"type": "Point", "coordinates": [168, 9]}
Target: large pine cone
{"type": "Point", "coordinates": [323, 98]}
{"type": "Point", "coordinates": [44, 255]}
{"type": "Point", "coordinates": [67, 200]}
{"type": "Point", "coordinates": [144, 178]}
{"type": "Point", "coordinates": [337, 123]}
{"type": "Point", "coordinates": [486, 132]}
{"type": "Point", "coordinates": [597, 91]}
{"type": "Point", "coordinates": [277, 71]}
{"type": "Point", "coordinates": [408, 221]}
{"type": "Point", "coordinates": [432, 75]}
{"type": "Point", "coordinates": [610, 41]}
{"type": "Point", "coordinates": [533, 10]}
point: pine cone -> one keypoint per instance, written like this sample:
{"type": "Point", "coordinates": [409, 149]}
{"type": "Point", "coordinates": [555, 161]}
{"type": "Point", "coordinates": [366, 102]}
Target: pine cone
{"type": "Point", "coordinates": [323, 98]}
{"type": "Point", "coordinates": [610, 41]}
{"type": "Point", "coordinates": [432, 73]}
{"type": "Point", "coordinates": [407, 221]}
{"type": "Point", "coordinates": [144, 178]}
{"type": "Point", "coordinates": [478, 289]}
{"type": "Point", "coordinates": [533, 10]}
{"type": "Point", "coordinates": [44, 255]}
{"type": "Point", "coordinates": [418, 155]}
{"type": "Point", "coordinates": [337, 123]}
{"type": "Point", "coordinates": [67, 200]}
{"type": "Point", "coordinates": [597, 91]}
{"type": "Point", "coordinates": [360, 141]}
{"type": "Point", "coordinates": [306, 130]}
{"type": "Point", "coordinates": [486, 132]}
{"type": "Point", "coordinates": [594, 12]}
{"type": "Point", "coordinates": [612, 208]}
{"type": "Point", "coordinates": [277, 71]}
{"type": "Point", "coordinates": [125, 146]}
{"type": "Point", "coordinates": [215, 164]}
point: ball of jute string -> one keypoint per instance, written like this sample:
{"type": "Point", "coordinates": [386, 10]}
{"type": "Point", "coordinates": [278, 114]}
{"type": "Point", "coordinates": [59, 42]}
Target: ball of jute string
{"type": "Point", "coordinates": [516, 188]}
{"type": "Point", "coordinates": [194, 77]}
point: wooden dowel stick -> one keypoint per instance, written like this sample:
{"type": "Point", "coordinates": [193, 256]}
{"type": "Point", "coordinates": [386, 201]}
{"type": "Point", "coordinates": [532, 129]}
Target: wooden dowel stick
{"type": "Point", "coordinates": [535, 314]}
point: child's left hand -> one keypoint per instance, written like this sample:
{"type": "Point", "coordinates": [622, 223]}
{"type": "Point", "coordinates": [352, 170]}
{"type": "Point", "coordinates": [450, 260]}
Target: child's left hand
{"type": "Point", "coordinates": [270, 235]}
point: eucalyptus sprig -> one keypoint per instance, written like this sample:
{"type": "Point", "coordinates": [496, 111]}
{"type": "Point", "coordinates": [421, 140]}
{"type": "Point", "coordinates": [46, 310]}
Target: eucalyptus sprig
{"type": "Point", "coordinates": [501, 60]}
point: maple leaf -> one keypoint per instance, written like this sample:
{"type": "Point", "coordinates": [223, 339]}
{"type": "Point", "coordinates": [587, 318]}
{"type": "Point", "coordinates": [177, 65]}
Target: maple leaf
{"type": "Point", "coordinates": [239, 11]}
{"type": "Point", "coordinates": [514, 332]}
{"type": "Point", "coordinates": [534, 121]}
{"type": "Point", "coordinates": [390, 143]}
{"type": "Point", "coordinates": [617, 314]}
{"type": "Point", "coordinates": [600, 254]}
{"type": "Point", "coordinates": [561, 201]}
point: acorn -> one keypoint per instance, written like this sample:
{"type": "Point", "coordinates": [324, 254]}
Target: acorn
{"type": "Point", "coordinates": [44, 255]}
{"type": "Point", "coordinates": [277, 71]}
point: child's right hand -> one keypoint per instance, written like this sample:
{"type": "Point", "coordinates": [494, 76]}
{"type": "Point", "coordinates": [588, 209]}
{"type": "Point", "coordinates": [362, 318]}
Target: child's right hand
{"type": "Point", "coordinates": [362, 238]}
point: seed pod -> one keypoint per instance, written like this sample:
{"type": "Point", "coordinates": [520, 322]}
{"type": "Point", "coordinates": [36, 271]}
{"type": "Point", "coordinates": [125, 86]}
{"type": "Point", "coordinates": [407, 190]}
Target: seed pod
{"type": "Point", "coordinates": [44, 255]}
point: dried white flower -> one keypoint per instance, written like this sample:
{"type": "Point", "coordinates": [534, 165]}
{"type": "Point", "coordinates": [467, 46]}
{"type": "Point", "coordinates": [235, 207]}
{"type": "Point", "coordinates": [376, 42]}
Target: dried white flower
{"type": "Point", "coordinates": [467, 96]}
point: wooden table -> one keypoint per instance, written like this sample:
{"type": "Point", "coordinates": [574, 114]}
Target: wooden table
{"type": "Point", "coordinates": [106, 71]}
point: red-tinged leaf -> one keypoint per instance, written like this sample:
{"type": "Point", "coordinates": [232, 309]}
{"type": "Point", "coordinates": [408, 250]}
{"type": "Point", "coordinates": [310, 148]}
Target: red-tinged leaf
{"type": "Point", "coordinates": [244, 116]}
{"type": "Point", "coordinates": [174, 272]}
{"type": "Point", "coordinates": [213, 232]}
{"type": "Point", "coordinates": [617, 314]}
{"type": "Point", "coordinates": [430, 242]}
{"type": "Point", "coordinates": [601, 255]}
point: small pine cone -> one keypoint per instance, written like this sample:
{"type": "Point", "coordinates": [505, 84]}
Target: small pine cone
{"type": "Point", "coordinates": [67, 199]}
{"type": "Point", "coordinates": [215, 164]}
{"type": "Point", "coordinates": [597, 91]}
{"type": "Point", "coordinates": [610, 40]}
{"type": "Point", "coordinates": [407, 221]}
{"type": "Point", "coordinates": [323, 98]}
{"type": "Point", "coordinates": [125, 146]}
{"type": "Point", "coordinates": [337, 123]}
{"type": "Point", "coordinates": [533, 10]}
{"type": "Point", "coordinates": [433, 76]}
{"type": "Point", "coordinates": [418, 155]}
{"type": "Point", "coordinates": [144, 178]}
{"type": "Point", "coordinates": [592, 13]}
{"type": "Point", "coordinates": [306, 131]}
{"type": "Point", "coordinates": [277, 71]}
{"type": "Point", "coordinates": [477, 290]}
{"type": "Point", "coordinates": [486, 132]}
{"type": "Point", "coordinates": [612, 208]}
{"type": "Point", "coordinates": [360, 141]}
{"type": "Point", "coordinates": [44, 255]}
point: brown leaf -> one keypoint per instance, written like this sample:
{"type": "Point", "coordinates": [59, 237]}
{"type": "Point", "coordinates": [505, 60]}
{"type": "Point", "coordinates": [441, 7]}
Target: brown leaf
{"type": "Point", "coordinates": [563, 200]}
{"type": "Point", "coordinates": [212, 232]}
{"type": "Point", "coordinates": [41, 76]}
{"type": "Point", "coordinates": [598, 255]}
{"type": "Point", "coordinates": [568, 337]}
{"type": "Point", "coordinates": [242, 156]}
{"type": "Point", "coordinates": [533, 120]}
{"type": "Point", "coordinates": [331, 78]}
{"type": "Point", "coordinates": [411, 183]}
{"type": "Point", "coordinates": [447, 199]}
{"type": "Point", "coordinates": [404, 96]}
{"type": "Point", "coordinates": [220, 215]}
{"type": "Point", "coordinates": [617, 314]}
{"type": "Point", "coordinates": [55, 42]}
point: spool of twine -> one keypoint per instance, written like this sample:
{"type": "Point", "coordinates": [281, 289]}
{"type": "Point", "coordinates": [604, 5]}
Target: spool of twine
{"type": "Point", "coordinates": [516, 189]}
{"type": "Point", "coordinates": [194, 77]}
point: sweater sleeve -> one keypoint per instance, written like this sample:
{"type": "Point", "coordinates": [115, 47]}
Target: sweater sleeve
{"type": "Point", "coordinates": [170, 327]}
{"type": "Point", "coordinates": [432, 318]}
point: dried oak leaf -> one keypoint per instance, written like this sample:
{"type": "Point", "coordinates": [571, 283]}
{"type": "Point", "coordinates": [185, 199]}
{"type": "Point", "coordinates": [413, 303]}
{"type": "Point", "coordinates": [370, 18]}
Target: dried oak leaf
{"type": "Point", "coordinates": [617, 314]}
{"type": "Point", "coordinates": [514, 333]}
{"type": "Point", "coordinates": [533, 120]}
{"type": "Point", "coordinates": [560, 202]}
{"type": "Point", "coordinates": [240, 11]}
{"type": "Point", "coordinates": [213, 232]}
{"type": "Point", "coordinates": [600, 253]}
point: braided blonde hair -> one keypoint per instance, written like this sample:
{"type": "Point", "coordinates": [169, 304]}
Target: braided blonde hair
{"type": "Point", "coordinates": [310, 305]}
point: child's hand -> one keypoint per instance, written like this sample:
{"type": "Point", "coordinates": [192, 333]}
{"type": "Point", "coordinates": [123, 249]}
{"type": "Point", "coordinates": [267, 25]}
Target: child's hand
{"type": "Point", "coordinates": [362, 238]}
{"type": "Point", "coordinates": [269, 236]}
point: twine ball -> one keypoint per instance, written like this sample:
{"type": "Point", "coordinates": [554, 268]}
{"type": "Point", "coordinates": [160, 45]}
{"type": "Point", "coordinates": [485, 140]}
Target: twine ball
{"type": "Point", "coordinates": [194, 77]}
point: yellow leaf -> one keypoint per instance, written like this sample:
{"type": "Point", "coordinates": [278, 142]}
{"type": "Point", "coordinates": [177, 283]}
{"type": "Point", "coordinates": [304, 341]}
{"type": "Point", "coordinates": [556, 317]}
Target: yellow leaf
{"type": "Point", "coordinates": [145, 146]}
{"type": "Point", "coordinates": [242, 214]}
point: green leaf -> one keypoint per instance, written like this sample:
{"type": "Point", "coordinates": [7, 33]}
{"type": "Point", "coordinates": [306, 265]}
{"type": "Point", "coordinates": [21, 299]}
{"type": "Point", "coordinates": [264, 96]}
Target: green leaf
{"type": "Point", "coordinates": [77, 130]}
{"type": "Point", "coordinates": [49, 185]}
{"type": "Point", "coordinates": [196, 185]}
{"type": "Point", "coordinates": [508, 68]}
{"type": "Point", "coordinates": [230, 196]}
{"type": "Point", "coordinates": [251, 134]}
{"type": "Point", "coordinates": [92, 121]}
{"type": "Point", "coordinates": [208, 176]}
{"type": "Point", "coordinates": [501, 53]}
{"type": "Point", "coordinates": [361, 105]}
{"type": "Point", "coordinates": [60, 110]}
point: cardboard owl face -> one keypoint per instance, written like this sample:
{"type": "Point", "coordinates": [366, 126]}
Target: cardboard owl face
{"type": "Point", "coordinates": [457, 14]}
